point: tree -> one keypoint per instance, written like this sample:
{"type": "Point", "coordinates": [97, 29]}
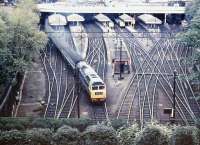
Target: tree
{"type": "Point", "coordinates": [20, 39]}
{"type": "Point", "coordinates": [191, 36]}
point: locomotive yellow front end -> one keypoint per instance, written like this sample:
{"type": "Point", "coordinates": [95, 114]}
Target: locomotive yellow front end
{"type": "Point", "coordinates": [98, 92]}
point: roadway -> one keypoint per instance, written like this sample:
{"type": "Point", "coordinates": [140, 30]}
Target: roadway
{"type": "Point", "coordinates": [123, 8]}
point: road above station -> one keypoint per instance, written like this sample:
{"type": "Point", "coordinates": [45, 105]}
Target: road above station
{"type": "Point", "coordinates": [120, 8]}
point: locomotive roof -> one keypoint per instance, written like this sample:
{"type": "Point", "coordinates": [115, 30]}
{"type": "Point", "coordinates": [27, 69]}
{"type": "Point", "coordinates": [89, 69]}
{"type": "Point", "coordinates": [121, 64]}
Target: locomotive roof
{"type": "Point", "coordinates": [89, 71]}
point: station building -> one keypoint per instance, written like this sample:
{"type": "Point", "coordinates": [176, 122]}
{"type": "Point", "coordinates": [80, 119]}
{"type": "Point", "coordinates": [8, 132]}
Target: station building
{"type": "Point", "coordinates": [124, 62]}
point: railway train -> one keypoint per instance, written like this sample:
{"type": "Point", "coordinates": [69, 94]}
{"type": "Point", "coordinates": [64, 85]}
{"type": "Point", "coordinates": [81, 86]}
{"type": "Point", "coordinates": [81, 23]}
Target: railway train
{"type": "Point", "coordinates": [90, 80]}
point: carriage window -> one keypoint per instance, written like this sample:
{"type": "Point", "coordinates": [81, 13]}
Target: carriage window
{"type": "Point", "coordinates": [101, 87]}
{"type": "Point", "coordinates": [95, 88]}
{"type": "Point", "coordinates": [87, 79]}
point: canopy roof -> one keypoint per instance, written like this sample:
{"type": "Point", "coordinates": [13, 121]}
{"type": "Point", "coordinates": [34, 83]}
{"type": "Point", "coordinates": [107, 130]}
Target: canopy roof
{"type": "Point", "coordinates": [149, 19]}
{"type": "Point", "coordinates": [127, 18]}
{"type": "Point", "coordinates": [102, 18]}
{"type": "Point", "coordinates": [75, 18]}
{"type": "Point", "coordinates": [57, 19]}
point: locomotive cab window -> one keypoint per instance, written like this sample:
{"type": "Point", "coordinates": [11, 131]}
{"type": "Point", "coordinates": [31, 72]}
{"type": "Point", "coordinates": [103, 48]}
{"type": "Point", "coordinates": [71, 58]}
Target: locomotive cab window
{"type": "Point", "coordinates": [94, 87]}
{"type": "Point", "coordinates": [101, 87]}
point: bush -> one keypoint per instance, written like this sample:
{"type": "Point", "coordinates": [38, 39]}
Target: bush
{"type": "Point", "coordinates": [66, 136]}
{"type": "Point", "coordinates": [38, 136]}
{"type": "Point", "coordinates": [81, 124]}
{"type": "Point", "coordinates": [197, 123]}
{"type": "Point", "coordinates": [153, 135]}
{"type": "Point", "coordinates": [198, 131]}
{"type": "Point", "coordinates": [41, 123]}
{"type": "Point", "coordinates": [99, 135]}
{"type": "Point", "coordinates": [118, 123]}
{"type": "Point", "coordinates": [127, 135]}
{"type": "Point", "coordinates": [197, 134]}
{"type": "Point", "coordinates": [9, 123]}
{"type": "Point", "coordinates": [184, 136]}
{"type": "Point", "coordinates": [46, 123]}
{"type": "Point", "coordinates": [55, 123]}
{"type": "Point", "coordinates": [14, 137]}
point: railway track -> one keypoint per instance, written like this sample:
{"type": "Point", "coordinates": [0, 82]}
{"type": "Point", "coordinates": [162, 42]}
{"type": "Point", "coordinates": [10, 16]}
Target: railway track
{"type": "Point", "coordinates": [188, 104]}
{"type": "Point", "coordinates": [150, 78]}
{"type": "Point", "coordinates": [97, 58]}
{"type": "Point", "coordinates": [60, 96]}
{"type": "Point", "coordinates": [134, 93]}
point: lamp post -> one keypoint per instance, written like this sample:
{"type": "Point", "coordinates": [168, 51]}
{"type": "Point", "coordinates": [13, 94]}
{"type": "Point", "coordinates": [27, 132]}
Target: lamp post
{"type": "Point", "coordinates": [174, 96]}
{"type": "Point", "coordinates": [120, 59]}
{"type": "Point", "coordinates": [77, 90]}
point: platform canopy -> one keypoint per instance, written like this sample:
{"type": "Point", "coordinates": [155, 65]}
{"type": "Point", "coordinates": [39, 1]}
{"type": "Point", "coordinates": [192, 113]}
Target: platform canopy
{"type": "Point", "coordinates": [75, 18]}
{"type": "Point", "coordinates": [127, 18]}
{"type": "Point", "coordinates": [149, 19]}
{"type": "Point", "coordinates": [57, 19]}
{"type": "Point", "coordinates": [102, 18]}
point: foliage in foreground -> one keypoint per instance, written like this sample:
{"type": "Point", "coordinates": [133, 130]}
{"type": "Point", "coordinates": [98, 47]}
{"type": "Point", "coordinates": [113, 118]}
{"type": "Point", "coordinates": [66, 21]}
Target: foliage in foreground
{"type": "Point", "coordinates": [68, 135]}
{"type": "Point", "coordinates": [127, 135]}
{"type": "Point", "coordinates": [99, 135]}
{"type": "Point", "coordinates": [185, 136]}
{"type": "Point", "coordinates": [153, 135]}
{"type": "Point", "coordinates": [7, 123]}
{"type": "Point", "coordinates": [70, 132]}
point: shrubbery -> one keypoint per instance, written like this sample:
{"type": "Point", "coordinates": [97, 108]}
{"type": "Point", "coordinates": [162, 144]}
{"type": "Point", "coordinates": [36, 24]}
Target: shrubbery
{"type": "Point", "coordinates": [7, 123]}
{"type": "Point", "coordinates": [197, 123]}
{"type": "Point", "coordinates": [14, 123]}
{"type": "Point", "coordinates": [54, 124]}
{"type": "Point", "coordinates": [99, 135]}
{"type": "Point", "coordinates": [153, 135]}
{"type": "Point", "coordinates": [81, 124]}
{"type": "Point", "coordinates": [118, 123]}
{"type": "Point", "coordinates": [127, 135]}
{"type": "Point", "coordinates": [40, 131]}
{"type": "Point", "coordinates": [66, 135]}
{"type": "Point", "coordinates": [14, 137]}
{"type": "Point", "coordinates": [184, 136]}
{"type": "Point", "coordinates": [38, 136]}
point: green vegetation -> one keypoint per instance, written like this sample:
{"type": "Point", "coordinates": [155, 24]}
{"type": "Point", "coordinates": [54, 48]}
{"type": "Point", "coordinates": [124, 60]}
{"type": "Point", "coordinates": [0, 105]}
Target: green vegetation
{"type": "Point", "coordinates": [127, 135]}
{"type": "Point", "coordinates": [66, 133]}
{"type": "Point", "coordinates": [8, 123]}
{"type": "Point", "coordinates": [184, 136]}
{"type": "Point", "coordinates": [99, 135]}
{"type": "Point", "coordinates": [191, 36]}
{"type": "Point", "coordinates": [20, 39]}
{"type": "Point", "coordinates": [153, 135]}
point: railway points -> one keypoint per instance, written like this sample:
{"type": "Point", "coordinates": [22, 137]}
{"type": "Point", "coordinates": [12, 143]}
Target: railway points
{"type": "Point", "coordinates": [150, 67]}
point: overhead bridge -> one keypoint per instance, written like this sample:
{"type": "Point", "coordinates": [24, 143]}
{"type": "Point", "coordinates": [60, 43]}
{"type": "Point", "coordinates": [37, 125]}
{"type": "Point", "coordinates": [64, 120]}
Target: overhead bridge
{"type": "Point", "coordinates": [129, 9]}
